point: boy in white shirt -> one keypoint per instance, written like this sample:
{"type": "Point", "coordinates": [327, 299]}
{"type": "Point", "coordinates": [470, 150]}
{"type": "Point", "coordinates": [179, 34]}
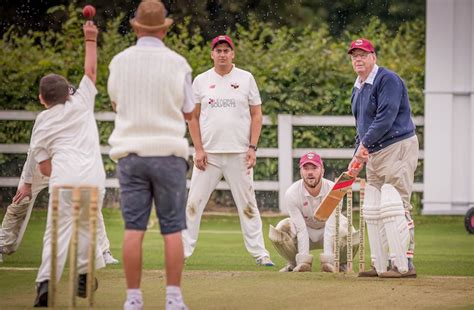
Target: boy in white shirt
{"type": "Point", "coordinates": [65, 144]}
{"type": "Point", "coordinates": [16, 219]}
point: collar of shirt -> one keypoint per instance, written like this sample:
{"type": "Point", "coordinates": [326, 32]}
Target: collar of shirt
{"type": "Point", "coordinates": [370, 78]}
{"type": "Point", "coordinates": [307, 194]}
{"type": "Point", "coordinates": [150, 41]}
{"type": "Point", "coordinates": [225, 75]}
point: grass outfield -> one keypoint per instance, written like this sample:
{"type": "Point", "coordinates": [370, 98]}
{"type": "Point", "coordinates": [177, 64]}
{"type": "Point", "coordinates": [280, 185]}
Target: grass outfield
{"type": "Point", "coordinates": [221, 274]}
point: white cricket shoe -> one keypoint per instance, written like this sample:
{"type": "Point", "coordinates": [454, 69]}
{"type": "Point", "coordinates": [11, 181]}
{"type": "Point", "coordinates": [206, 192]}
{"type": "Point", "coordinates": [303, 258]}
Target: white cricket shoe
{"type": "Point", "coordinates": [109, 259]}
{"type": "Point", "coordinates": [172, 304]}
{"type": "Point", "coordinates": [133, 303]}
{"type": "Point", "coordinates": [265, 261]}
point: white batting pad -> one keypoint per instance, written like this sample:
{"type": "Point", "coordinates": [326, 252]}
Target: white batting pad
{"type": "Point", "coordinates": [396, 226]}
{"type": "Point", "coordinates": [284, 244]}
{"type": "Point", "coordinates": [375, 228]}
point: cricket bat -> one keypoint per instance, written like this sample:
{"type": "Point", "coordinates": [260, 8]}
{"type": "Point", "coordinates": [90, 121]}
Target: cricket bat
{"type": "Point", "coordinates": [332, 199]}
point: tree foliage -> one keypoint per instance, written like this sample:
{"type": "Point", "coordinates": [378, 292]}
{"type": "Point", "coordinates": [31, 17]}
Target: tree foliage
{"type": "Point", "coordinates": [217, 16]}
{"type": "Point", "coordinates": [299, 71]}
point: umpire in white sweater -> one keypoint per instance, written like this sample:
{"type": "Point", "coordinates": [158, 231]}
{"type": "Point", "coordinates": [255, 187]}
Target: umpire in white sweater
{"type": "Point", "coordinates": [150, 88]}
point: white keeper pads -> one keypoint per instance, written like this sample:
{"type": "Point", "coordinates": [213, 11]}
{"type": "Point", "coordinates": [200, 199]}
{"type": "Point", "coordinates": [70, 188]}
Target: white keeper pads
{"type": "Point", "coordinates": [396, 226]}
{"type": "Point", "coordinates": [283, 241]}
{"type": "Point", "coordinates": [375, 228]}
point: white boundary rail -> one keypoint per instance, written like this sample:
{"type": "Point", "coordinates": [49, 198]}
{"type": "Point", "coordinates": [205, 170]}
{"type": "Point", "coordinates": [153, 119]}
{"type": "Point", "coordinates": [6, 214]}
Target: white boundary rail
{"type": "Point", "coordinates": [284, 152]}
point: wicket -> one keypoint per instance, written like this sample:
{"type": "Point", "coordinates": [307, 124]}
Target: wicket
{"type": "Point", "coordinates": [349, 202]}
{"type": "Point", "coordinates": [76, 205]}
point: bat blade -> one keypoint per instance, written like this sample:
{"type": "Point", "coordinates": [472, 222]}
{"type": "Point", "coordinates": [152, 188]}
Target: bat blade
{"type": "Point", "coordinates": [332, 199]}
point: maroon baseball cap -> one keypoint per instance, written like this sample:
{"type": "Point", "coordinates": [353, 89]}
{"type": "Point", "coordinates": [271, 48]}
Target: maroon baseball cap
{"type": "Point", "coordinates": [222, 39]}
{"type": "Point", "coordinates": [362, 44]}
{"type": "Point", "coordinates": [311, 158]}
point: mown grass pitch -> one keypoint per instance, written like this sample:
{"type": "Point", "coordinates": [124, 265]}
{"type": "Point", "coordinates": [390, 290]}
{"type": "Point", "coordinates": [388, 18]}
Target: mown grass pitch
{"type": "Point", "coordinates": [222, 275]}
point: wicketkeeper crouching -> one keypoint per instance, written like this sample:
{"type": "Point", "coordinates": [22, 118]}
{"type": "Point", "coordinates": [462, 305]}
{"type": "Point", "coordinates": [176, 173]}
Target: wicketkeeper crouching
{"type": "Point", "coordinates": [295, 236]}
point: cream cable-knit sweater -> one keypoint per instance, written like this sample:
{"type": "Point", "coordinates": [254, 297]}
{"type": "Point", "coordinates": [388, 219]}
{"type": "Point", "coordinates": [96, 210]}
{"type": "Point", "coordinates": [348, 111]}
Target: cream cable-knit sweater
{"type": "Point", "coordinates": [147, 84]}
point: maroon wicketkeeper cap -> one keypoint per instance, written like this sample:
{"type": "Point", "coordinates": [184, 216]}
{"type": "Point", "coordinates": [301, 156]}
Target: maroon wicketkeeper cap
{"type": "Point", "coordinates": [312, 158]}
{"type": "Point", "coordinates": [362, 44]}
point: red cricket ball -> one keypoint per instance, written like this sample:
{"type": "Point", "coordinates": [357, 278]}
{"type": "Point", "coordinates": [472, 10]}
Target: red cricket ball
{"type": "Point", "coordinates": [88, 11]}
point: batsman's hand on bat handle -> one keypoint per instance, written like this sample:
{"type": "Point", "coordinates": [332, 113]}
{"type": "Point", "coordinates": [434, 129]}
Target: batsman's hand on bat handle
{"type": "Point", "coordinates": [22, 192]}
{"type": "Point", "coordinates": [355, 167]}
{"type": "Point", "coordinates": [362, 154]}
{"type": "Point", "coordinates": [357, 163]}
{"type": "Point", "coordinates": [200, 159]}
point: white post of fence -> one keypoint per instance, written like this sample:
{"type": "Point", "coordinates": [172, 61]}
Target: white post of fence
{"type": "Point", "coordinates": [285, 158]}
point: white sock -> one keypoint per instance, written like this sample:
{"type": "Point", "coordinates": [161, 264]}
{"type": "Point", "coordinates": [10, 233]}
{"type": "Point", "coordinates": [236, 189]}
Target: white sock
{"type": "Point", "coordinates": [134, 293]}
{"type": "Point", "coordinates": [174, 293]}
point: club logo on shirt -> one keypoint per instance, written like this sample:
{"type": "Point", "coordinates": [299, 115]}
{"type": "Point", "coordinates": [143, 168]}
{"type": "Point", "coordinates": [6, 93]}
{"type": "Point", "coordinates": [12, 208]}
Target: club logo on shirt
{"type": "Point", "coordinates": [222, 103]}
{"type": "Point", "coordinates": [234, 85]}
{"type": "Point", "coordinates": [212, 86]}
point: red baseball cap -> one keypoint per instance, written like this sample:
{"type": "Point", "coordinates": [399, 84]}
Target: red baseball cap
{"type": "Point", "coordinates": [362, 44]}
{"type": "Point", "coordinates": [222, 39]}
{"type": "Point", "coordinates": [311, 158]}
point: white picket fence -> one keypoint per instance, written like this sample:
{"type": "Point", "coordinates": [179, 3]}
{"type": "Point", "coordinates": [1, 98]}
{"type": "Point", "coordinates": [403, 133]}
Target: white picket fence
{"type": "Point", "coordinates": [284, 152]}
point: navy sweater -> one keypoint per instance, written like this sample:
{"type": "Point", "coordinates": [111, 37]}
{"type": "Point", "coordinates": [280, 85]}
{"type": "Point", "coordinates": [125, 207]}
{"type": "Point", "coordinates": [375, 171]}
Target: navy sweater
{"type": "Point", "coordinates": [382, 111]}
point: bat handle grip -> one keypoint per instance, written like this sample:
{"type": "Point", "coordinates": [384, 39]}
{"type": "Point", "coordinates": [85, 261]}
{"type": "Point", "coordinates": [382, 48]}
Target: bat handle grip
{"type": "Point", "coordinates": [355, 165]}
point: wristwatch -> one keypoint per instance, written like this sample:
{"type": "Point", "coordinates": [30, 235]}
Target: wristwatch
{"type": "Point", "coordinates": [253, 146]}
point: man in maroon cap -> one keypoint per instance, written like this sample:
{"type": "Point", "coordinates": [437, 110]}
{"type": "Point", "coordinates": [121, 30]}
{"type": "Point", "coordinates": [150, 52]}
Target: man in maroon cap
{"type": "Point", "coordinates": [295, 236]}
{"type": "Point", "coordinates": [387, 143]}
{"type": "Point", "coordinates": [225, 130]}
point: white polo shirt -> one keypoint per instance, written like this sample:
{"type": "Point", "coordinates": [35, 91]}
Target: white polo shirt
{"type": "Point", "coordinates": [67, 133]}
{"type": "Point", "coordinates": [301, 207]}
{"type": "Point", "coordinates": [225, 109]}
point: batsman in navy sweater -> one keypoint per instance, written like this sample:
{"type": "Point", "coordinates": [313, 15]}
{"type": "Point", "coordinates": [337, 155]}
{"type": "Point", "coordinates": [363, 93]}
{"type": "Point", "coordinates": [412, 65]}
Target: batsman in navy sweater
{"type": "Point", "coordinates": [386, 142]}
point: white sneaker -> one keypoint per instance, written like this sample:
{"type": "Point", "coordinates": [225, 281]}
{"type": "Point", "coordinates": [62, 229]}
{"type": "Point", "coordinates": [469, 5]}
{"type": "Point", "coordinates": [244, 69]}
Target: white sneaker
{"type": "Point", "coordinates": [133, 303]}
{"type": "Point", "coordinates": [174, 305]}
{"type": "Point", "coordinates": [109, 259]}
{"type": "Point", "coordinates": [265, 261]}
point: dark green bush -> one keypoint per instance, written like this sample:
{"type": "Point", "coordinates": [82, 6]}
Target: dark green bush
{"type": "Point", "coordinates": [299, 72]}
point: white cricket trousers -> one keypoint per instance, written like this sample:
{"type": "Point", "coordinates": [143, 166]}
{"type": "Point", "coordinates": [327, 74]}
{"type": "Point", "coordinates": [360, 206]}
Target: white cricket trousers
{"type": "Point", "coordinates": [233, 167]}
{"type": "Point", "coordinates": [64, 237]}
{"type": "Point", "coordinates": [16, 219]}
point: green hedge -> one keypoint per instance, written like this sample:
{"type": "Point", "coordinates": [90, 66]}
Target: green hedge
{"type": "Point", "coordinates": [299, 72]}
